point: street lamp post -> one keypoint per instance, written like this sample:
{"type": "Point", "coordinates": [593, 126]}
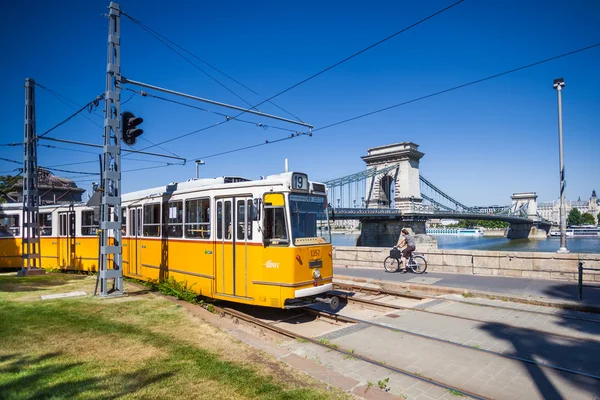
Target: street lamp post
{"type": "Point", "coordinates": [198, 163]}
{"type": "Point", "coordinates": [558, 85]}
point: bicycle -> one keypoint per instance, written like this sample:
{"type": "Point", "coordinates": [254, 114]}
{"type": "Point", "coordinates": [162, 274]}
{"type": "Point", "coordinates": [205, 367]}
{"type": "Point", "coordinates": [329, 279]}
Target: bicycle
{"type": "Point", "coordinates": [415, 263]}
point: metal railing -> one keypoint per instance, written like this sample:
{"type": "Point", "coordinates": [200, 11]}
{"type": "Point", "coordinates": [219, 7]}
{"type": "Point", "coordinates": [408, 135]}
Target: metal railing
{"type": "Point", "coordinates": [580, 284]}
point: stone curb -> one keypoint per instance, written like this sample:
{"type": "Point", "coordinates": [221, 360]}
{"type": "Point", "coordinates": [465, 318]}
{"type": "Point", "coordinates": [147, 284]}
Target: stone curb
{"type": "Point", "coordinates": [430, 290]}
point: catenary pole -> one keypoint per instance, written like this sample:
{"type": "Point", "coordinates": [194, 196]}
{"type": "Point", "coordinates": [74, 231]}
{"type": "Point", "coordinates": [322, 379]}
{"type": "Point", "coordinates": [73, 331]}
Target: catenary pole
{"type": "Point", "coordinates": [110, 261]}
{"type": "Point", "coordinates": [30, 244]}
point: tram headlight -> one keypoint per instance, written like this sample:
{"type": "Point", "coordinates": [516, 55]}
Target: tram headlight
{"type": "Point", "coordinates": [316, 273]}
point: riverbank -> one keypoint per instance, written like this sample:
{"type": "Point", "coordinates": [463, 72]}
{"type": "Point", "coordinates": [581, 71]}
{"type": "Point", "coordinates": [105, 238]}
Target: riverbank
{"type": "Point", "coordinates": [474, 262]}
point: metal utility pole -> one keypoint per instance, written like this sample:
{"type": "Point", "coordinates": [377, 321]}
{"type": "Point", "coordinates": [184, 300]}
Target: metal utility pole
{"type": "Point", "coordinates": [111, 267]}
{"type": "Point", "coordinates": [30, 245]}
{"type": "Point", "coordinates": [558, 85]}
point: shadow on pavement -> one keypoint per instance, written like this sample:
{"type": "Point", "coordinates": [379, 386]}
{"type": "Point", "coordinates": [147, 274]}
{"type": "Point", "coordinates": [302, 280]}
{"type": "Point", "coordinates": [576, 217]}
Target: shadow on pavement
{"type": "Point", "coordinates": [577, 355]}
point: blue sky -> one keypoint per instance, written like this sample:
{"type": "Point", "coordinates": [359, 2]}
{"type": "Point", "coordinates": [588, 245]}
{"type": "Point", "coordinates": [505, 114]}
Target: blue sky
{"type": "Point", "coordinates": [481, 143]}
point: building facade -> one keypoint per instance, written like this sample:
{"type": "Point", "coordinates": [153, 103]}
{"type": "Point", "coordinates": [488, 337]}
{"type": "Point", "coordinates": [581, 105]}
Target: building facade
{"type": "Point", "coordinates": [52, 189]}
{"type": "Point", "coordinates": [551, 210]}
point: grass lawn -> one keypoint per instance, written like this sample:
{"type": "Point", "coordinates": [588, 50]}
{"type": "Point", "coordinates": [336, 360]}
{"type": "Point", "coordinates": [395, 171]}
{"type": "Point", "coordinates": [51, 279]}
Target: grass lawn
{"type": "Point", "coordinates": [136, 346]}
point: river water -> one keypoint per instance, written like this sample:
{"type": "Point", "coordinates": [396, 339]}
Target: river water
{"type": "Point", "coordinates": [575, 245]}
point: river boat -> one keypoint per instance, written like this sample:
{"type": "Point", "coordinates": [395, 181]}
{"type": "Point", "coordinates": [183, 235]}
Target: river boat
{"type": "Point", "coordinates": [579, 232]}
{"type": "Point", "coordinates": [454, 231]}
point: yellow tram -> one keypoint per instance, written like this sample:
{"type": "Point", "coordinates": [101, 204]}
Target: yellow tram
{"type": "Point", "coordinates": [263, 242]}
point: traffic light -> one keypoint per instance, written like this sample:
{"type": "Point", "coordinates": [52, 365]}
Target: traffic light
{"type": "Point", "coordinates": [129, 129]}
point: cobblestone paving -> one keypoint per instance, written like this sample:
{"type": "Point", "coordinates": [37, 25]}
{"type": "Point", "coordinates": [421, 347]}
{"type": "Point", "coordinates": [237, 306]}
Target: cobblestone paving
{"type": "Point", "coordinates": [472, 370]}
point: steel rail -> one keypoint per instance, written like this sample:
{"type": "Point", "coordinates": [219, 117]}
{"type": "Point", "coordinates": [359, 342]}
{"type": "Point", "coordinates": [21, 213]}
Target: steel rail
{"type": "Point", "coordinates": [255, 321]}
{"type": "Point", "coordinates": [400, 294]}
{"type": "Point", "coordinates": [503, 324]}
{"type": "Point", "coordinates": [464, 346]}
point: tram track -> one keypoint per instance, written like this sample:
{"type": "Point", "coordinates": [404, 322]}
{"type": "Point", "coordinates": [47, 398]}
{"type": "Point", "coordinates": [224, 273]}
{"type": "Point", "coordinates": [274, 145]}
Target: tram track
{"type": "Point", "coordinates": [288, 333]}
{"type": "Point", "coordinates": [362, 289]}
{"type": "Point", "coordinates": [463, 346]}
{"type": "Point", "coordinates": [359, 300]}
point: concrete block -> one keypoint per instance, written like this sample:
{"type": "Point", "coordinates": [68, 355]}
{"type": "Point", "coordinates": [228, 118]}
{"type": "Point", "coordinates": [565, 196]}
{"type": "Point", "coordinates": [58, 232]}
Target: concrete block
{"type": "Point", "coordinates": [485, 271]}
{"type": "Point", "coordinates": [536, 274]}
{"type": "Point", "coordinates": [518, 262]}
{"type": "Point", "coordinates": [554, 264]}
{"type": "Point", "coordinates": [563, 276]}
{"type": "Point", "coordinates": [486, 261]}
{"type": "Point", "coordinates": [509, 272]}
{"type": "Point", "coordinates": [457, 260]}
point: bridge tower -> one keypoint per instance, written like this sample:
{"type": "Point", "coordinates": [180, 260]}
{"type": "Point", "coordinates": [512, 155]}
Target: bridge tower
{"type": "Point", "coordinates": [529, 199]}
{"type": "Point", "coordinates": [400, 187]}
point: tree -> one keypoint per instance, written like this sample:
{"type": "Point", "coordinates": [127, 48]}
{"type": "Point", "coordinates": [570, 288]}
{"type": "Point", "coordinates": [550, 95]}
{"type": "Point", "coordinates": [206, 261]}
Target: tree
{"type": "Point", "coordinates": [574, 217]}
{"type": "Point", "coordinates": [598, 218]}
{"type": "Point", "coordinates": [587, 219]}
{"type": "Point", "coordinates": [8, 183]}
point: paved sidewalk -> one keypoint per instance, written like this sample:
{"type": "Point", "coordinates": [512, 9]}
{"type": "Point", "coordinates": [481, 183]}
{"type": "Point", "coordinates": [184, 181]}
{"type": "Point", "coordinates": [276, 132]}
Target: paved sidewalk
{"type": "Point", "coordinates": [538, 289]}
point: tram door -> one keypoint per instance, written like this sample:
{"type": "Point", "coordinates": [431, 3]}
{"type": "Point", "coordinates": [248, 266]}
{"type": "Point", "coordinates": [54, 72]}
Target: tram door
{"type": "Point", "coordinates": [231, 252]}
{"type": "Point", "coordinates": [135, 240]}
{"type": "Point", "coordinates": [66, 239]}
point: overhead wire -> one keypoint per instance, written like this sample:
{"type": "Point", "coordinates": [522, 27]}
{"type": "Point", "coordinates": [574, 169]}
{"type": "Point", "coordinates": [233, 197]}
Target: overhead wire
{"type": "Point", "coordinates": [427, 96]}
{"type": "Point", "coordinates": [139, 169]}
{"type": "Point", "coordinates": [457, 87]}
{"type": "Point", "coordinates": [316, 74]}
{"type": "Point", "coordinates": [90, 105]}
{"type": "Point", "coordinates": [164, 41]}
{"type": "Point", "coordinates": [70, 171]}
{"type": "Point", "coordinates": [66, 101]}
{"type": "Point", "coordinates": [226, 116]}
{"type": "Point", "coordinates": [12, 161]}
{"type": "Point", "coordinates": [11, 144]}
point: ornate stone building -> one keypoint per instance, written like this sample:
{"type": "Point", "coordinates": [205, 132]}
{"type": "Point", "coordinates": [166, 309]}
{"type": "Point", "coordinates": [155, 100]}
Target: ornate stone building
{"type": "Point", "coordinates": [52, 190]}
{"type": "Point", "coordinates": [551, 210]}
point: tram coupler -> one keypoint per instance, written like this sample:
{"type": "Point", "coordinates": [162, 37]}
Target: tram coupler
{"type": "Point", "coordinates": [333, 301]}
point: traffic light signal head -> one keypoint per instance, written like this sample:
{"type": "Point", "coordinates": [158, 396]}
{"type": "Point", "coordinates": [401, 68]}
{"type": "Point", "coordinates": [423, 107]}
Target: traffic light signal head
{"type": "Point", "coordinates": [129, 129]}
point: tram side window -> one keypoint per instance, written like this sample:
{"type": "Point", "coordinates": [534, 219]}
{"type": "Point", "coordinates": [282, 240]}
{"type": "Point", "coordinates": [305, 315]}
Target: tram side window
{"type": "Point", "coordinates": [45, 224]}
{"type": "Point", "coordinates": [275, 226]}
{"type": "Point", "coordinates": [124, 221]}
{"type": "Point", "coordinates": [152, 220]}
{"type": "Point", "coordinates": [89, 223]}
{"type": "Point", "coordinates": [174, 218]}
{"type": "Point", "coordinates": [197, 218]}
{"type": "Point", "coordinates": [244, 222]}
{"type": "Point", "coordinates": [9, 225]}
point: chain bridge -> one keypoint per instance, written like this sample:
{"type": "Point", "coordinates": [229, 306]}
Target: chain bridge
{"type": "Point", "coordinates": [392, 189]}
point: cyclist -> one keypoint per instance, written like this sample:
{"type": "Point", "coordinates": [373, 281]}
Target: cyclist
{"type": "Point", "coordinates": [407, 243]}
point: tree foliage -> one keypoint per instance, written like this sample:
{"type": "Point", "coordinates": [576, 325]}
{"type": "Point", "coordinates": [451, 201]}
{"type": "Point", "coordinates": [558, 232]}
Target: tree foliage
{"type": "Point", "coordinates": [574, 217]}
{"type": "Point", "coordinates": [587, 219]}
{"type": "Point", "coordinates": [471, 223]}
{"type": "Point", "coordinates": [8, 183]}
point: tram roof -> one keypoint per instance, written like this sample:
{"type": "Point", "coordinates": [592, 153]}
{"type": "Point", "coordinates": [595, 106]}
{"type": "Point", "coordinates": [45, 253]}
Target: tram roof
{"type": "Point", "coordinates": [207, 183]}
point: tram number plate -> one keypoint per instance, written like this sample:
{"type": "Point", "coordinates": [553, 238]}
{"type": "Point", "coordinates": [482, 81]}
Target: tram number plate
{"type": "Point", "coordinates": [315, 253]}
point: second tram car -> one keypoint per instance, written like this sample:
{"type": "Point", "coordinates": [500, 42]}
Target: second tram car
{"type": "Point", "coordinates": [263, 242]}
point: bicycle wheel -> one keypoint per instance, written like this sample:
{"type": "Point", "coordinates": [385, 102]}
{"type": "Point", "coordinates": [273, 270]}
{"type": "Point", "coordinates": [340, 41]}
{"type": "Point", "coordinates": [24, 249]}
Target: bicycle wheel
{"type": "Point", "coordinates": [391, 264]}
{"type": "Point", "coordinates": [418, 264]}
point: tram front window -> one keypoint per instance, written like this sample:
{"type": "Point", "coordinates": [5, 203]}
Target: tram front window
{"type": "Point", "coordinates": [309, 219]}
{"type": "Point", "coordinates": [275, 227]}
